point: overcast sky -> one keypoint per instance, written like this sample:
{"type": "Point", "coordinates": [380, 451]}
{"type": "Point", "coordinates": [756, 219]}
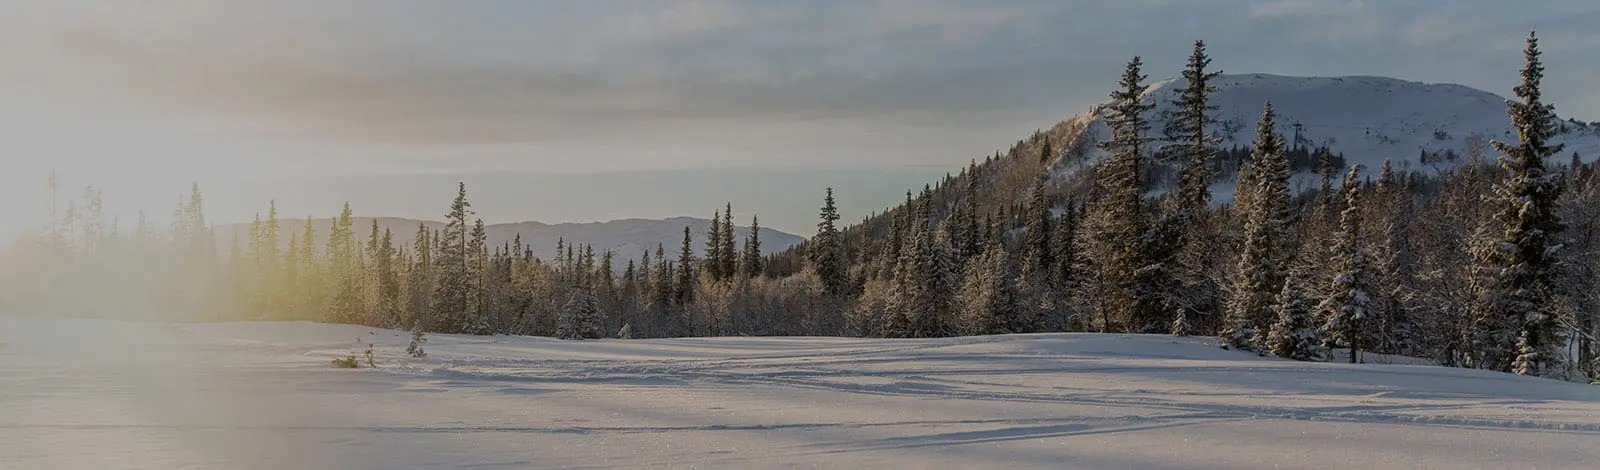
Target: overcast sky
{"type": "Point", "coordinates": [306, 101]}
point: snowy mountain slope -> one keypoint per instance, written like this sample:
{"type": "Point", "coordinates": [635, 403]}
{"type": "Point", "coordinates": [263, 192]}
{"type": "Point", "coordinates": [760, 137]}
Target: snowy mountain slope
{"type": "Point", "coordinates": [1366, 118]}
{"type": "Point", "coordinates": [626, 239]}
{"type": "Point", "coordinates": [262, 395]}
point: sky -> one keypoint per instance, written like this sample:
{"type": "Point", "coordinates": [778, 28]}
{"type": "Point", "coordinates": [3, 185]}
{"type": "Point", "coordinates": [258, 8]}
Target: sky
{"type": "Point", "coordinates": [573, 111]}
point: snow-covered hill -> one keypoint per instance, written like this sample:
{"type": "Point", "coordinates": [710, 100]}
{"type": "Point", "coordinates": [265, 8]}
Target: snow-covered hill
{"type": "Point", "coordinates": [1366, 118]}
{"type": "Point", "coordinates": [112, 395]}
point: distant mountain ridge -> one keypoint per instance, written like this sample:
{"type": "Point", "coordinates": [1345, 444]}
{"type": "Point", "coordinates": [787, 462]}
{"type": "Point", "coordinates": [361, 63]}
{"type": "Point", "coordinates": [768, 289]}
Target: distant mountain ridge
{"type": "Point", "coordinates": [625, 238]}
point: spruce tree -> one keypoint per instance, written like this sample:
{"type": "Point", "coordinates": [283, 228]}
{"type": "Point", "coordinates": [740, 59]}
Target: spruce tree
{"type": "Point", "coordinates": [580, 317]}
{"type": "Point", "coordinates": [1327, 172]}
{"type": "Point", "coordinates": [451, 299]}
{"type": "Point", "coordinates": [988, 297]}
{"type": "Point", "coordinates": [750, 262]}
{"type": "Point", "coordinates": [1294, 336]}
{"type": "Point", "coordinates": [290, 274]}
{"type": "Point", "coordinates": [1038, 248]}
{"type": "Point", "coordinates": [1066, 247]}
{"type": "Point", "coordinates": [1515, 314]}
{"type": "Point", "coordinates": [714, 248]}
{"type": "Point", "coordinates": [1348, 307]}
{"type": "Point", "coordinates": [686, 272]}
{"type": "Point", "coordinates": [271, 272]}
{"type": "Point", "coordinates": [663, 291]}
{"type": "Point", "coordinates": [1118, 217]}
{"type": "Point", "coordinates": [728, 252]}
{"type": "Point", "coordinates": [1260, 272]}
{"type": "Point", "coordinates": [1186, 129]}
{"type": "Point", "coordinates": [1389, 212]}
{"type": "Point", "coordinates": [387, 282]}
{"type": "Point", "coordinates": [478, 310]}
{"type": "Point", "coordinates": [419, 283]}
{"type": "Point", "coordinates": [824, 250]}
{"type": "Point", "coordinates": [311, 283]}
{"type": "Point", "coordinates": [926, 281]}
{"type": "Point", "coordinates": [644, 270]}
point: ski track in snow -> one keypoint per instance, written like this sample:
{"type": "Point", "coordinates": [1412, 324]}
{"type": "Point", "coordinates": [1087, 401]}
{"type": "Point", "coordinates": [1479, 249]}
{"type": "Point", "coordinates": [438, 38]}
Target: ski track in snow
{"type": "Point", "coordinates": [106, 394]}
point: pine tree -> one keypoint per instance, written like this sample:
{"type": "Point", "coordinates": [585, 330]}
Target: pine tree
{"type": "Point", "coordinates": [1389, 210]}
{"type": "Point", "coordinates": [925, 283]}
{"type": "Point", "coordinates": [1348, 307]}
{"type": "Point", "coordinates": [1038, 248]}
{"type": "Point", "coordinates": [419, 341]}
{"type": "Point", "coordinates": [451, 299]}
{"type": "Point", "coordinates": [290, 273]}
{"type": "Point", "coordinates": [387, 281]}
{"type": "Point", "coordinates": [271, 271]}
{"type": "Point", "coordinates": [1327, 171]}
{"type": "Point", "coordinates": [340, 254]}
{"type": "Point", "coordinates": [419, 283]}
{"type": "Point", "coordinates": [1518, 329]}
{"type": "Point", "coordinates": [604, 282]}
{"type": "Point", "coordinates": [714, 248]}
{"type": "Point", "coordinates": [824, 249]}
{"type": "Point", "coordinates": [478, 313]}
{"type": "Point", "coordinates": [1118, 217]}
{"type": "Point", "coordinates": [750, 262]}
{"type": "Point", "coordinates": [988, 297]}
{"type": "Point", "coordinates": [580, 317]}
{"type": "Point", "coordinates": [686, 272]}
{"type": "Point", "coordinates": [1066, 248]}
{"type": "Point", "coordinates": [1294, 336]}
{"type": "Point", "coordinates": [644, 269]}
{"type": "Point", "coordinates": [311, 278]}
{"type": "Point", "coordinates": [1260, 267]}
{"type": "Point", "coordinates": [728, 253]}
{"type": "Point", "coordinates": [1186, 128]}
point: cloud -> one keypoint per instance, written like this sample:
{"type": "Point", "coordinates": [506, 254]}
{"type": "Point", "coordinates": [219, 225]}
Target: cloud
{"type": "Point", "coordinates": [1321, 21]}
{"type": "Point", "coordinates": [564, 73]}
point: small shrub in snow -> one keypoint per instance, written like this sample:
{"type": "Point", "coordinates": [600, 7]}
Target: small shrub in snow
{"type": "Point", "coordinates": [626, 332]}
{"type": "Point", "coordinates": [418, 339]}
{"type": "Point", "coordinates": [347, 362]}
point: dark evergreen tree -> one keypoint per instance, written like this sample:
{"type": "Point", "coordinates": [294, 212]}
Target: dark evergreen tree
{"type": "Point", "coordinates": [825, 253]}
{"type": "Point", "coordinates": [419, 283]}
{"type": "Point", "coordinates": [1249, 314]}
{"type": "Point", "coordinates": [1348, 307]}
{"type": "Point", "coordinates": [750, 261]}
{"type": "Point", "coordinates": [728, 251]}
{"type": "Point", "coordinates": [580, 318]}
{"type": "Point", "coordinates": [686, 271]}
{"type": "Point", "coordinates": [1294, 336]}
{"type": "Point", "coordinates": [1038, 248]}
{"type": "Point", "coordinates": [387, 280]}
{"type": "Point", "coordinates": [714, 248]}
{"type": "Point", "coordinates": [1118, 222]}
{"type": "Point", "coordinates": [1518, 329]}
{"type": "Point", "coordinates": [988, 296]}
{"type": "Point", "coordinates": [1186, 129]}
{"type": "Point", "coordinates": [452, 299]}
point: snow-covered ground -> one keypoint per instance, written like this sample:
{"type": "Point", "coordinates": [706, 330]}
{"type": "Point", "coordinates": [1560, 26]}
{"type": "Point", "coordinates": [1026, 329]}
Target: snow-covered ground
{"type": "Point", "coordinates": [97, 394]}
